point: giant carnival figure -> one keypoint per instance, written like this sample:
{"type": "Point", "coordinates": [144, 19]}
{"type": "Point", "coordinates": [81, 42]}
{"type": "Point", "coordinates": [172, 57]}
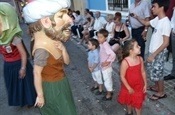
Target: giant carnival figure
{"type": "Point", "coordinates": [49, 26]}
{"type": "Point", "coordinates": [18, 71]}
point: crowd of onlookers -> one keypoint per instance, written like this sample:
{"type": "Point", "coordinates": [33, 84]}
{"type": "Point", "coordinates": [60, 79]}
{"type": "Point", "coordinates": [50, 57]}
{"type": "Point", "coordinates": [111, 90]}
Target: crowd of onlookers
{"type": "Point", "coordinates": [113, 34]}
{"type": "Point", "coordinates": [87, 27]}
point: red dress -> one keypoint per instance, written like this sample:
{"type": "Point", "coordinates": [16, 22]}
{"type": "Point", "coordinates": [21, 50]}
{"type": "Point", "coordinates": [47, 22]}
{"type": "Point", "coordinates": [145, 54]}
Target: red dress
{"type": "Point", "coordinates": [135, 80]}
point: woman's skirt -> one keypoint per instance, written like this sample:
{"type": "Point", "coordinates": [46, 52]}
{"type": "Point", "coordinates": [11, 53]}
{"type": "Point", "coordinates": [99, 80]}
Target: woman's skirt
{"type": "Point", "coordinates": [20, 91]}
{"type": "Point", "coordinates": [58, 98]}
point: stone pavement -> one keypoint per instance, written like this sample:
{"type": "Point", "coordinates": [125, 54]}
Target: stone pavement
{"type": "Point", "coordinates": [163, 106]}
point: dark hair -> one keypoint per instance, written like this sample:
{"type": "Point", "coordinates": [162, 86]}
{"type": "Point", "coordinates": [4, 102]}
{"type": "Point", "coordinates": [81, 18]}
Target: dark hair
{"type": "Point", "coordinates": [118, 15]}
{"type": "Point", "coordinates": [104, 32]}
{"type": "Point", "coordinates": [91, 13]}
{"type": "Point", "coordinates": [162, 3]}
{"type": "Point", "coordinates": [125, 49]}
{"type": "Point", "coordinates": [69, 10]}
{"type": "Point", "coordinates": [94, 42]}
{"type": "Point", "coordinates": [87, 10]}
{"type": "Point", "coordinates": [77, 12]}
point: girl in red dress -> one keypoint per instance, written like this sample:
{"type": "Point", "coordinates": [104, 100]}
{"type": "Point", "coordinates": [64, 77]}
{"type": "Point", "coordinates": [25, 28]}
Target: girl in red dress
{"type": "Point", "coordinates": [133, 78]}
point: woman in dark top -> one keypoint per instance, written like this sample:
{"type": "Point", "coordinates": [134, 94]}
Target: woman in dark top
{"type": "Point", "coordinates": [121, 33]}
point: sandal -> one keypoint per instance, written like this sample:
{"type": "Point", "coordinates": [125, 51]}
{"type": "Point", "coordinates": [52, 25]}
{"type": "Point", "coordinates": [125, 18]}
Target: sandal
{"type": "Point", "coordinates": [129, 113]}
{"type": "Point", "coordinates": [94, 88]}
{"type": "Point", "coordinates": [107, 98]}
{"type": "Point", "coordinates": [152, 89]}
{"type": "Point", "coordinates": [156, 97]}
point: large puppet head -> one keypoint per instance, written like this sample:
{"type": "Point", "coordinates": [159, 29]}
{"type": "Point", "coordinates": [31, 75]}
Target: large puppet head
{"type": "Point", "coordinates": [49, 16]}
{"type": "Point", "coordinates": [9, 24]}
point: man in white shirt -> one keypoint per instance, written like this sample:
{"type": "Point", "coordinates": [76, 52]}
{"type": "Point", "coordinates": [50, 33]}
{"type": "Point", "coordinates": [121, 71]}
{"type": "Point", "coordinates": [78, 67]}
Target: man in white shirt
{"type": "Point", "coordinates": [77, 22]}
{"type": "Point", "coordinates": [158, 46]}
{"type": "Point", "coordinates": [99, 23]}
{"type": "Point", "coordinates": [142, 9]}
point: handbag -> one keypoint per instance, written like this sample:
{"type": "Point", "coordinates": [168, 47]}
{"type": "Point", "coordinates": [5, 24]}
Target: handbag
{"type": "Point", "coordinates": [115, 40]}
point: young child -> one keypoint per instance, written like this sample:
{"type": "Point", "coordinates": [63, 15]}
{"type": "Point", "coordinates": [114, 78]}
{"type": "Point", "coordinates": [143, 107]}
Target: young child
{"type": "Point", "coordinates": [94, 65]}
{"type": "Point", "coordinates": [107, 57]}
{"type": "Point", "coordinates": [133, 78]}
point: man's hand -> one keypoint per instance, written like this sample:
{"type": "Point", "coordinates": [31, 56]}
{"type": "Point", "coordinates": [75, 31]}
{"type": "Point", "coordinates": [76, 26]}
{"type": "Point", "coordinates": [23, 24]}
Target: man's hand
{"type": "Point", "coordinates": [144, 33]}
{"type": "Point", "coordinates": [133, 15]}
{"type": "Point", "coordinates": [144, 89]}
{"type": "Point", "coordinates": [150, 58]}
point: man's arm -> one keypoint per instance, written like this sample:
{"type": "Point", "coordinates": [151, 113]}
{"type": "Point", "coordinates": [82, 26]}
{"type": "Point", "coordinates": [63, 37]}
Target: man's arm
{"type": "Point", "coordinates": [146, 26]}
{"type": "Point", "coordinates": [143, 21]}
{"type": "Point", "coordinates": [144, 33]}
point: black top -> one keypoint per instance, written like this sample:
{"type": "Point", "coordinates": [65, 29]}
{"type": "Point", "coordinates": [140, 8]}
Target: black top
{"type": "Point", "coordinates": [120, 34]}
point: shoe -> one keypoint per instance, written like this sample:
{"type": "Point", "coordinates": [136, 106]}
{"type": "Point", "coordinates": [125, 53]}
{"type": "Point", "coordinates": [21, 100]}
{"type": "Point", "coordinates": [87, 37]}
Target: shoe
{"type": "Point", "coordinates": [152, 89]}
{"type": "Point", "coordinates": [112, 93]}
{"type": "Point", "coordinates": [155, 97]}
{"type": "Point", "coordinates": [99, 93]}
{"type": "Point", "coordinates": [169, 77]}
{"type": "Point", "coordinates": [94, 88]}
{"type": "Point", "coordinates": [129, 113]}
{"type": "Point", "coordinates": [106, 99]}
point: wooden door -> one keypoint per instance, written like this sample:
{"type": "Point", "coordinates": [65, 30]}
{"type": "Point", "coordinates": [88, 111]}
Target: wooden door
{"type": "Point", "coordinates": [79, 5]}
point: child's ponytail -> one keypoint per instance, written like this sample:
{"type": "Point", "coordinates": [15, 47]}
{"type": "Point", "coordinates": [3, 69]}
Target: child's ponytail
{"type": "Point", "coordinates": [124, 49]}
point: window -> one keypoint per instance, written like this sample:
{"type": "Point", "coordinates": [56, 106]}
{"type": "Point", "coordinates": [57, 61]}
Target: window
{"type": "Point", "coordinates": [121, 5]}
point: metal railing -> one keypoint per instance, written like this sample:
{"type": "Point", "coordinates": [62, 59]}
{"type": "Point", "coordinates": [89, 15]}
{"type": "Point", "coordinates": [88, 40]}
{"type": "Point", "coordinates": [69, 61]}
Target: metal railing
{"type": "Point", "coordinates": [117, 5]}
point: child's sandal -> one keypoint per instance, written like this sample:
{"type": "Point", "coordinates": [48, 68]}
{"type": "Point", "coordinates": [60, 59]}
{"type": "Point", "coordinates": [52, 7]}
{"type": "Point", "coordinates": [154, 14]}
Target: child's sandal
{"type": "Point", "coordinates": [129, 113]}
{"type": "Point", "coordinates": [94, 88]}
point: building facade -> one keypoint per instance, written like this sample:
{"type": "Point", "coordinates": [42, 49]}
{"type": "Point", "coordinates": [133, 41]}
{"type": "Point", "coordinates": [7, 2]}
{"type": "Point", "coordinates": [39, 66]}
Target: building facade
{"type": "Point", "coordinates": [104, 6]}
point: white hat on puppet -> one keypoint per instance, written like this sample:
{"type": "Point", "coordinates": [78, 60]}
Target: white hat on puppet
{"type": "Point", "coordinates": [38, 9]}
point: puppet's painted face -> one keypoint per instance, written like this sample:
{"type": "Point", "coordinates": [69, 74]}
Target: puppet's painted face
{"type": "Point", "coordinates": [60, 29]}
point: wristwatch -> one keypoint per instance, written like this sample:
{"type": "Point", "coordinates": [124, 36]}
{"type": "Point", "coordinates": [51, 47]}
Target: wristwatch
{"type": "Point", "coordinates": [146, 30]}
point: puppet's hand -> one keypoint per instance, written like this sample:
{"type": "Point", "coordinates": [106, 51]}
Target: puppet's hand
{"type": "Point", "coordinates": [59, 45]}
{"type": "Point", "coordinates": [39, 101]}
{"type": "Point", "coordinates": [62, 48]}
